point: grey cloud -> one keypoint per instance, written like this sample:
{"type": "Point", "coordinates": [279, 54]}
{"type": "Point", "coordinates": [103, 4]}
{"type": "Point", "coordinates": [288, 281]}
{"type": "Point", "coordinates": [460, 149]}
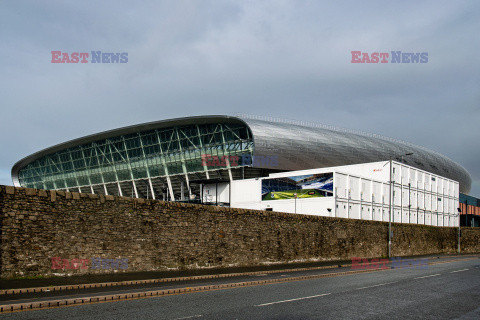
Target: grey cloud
{"type": "Point", "coordinates": [285, 58]}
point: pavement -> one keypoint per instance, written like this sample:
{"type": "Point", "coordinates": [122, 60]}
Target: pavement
{"type": "Point", "coordinates": [138, 276]}
{"type": "Point", "coordinates": [448, 288]}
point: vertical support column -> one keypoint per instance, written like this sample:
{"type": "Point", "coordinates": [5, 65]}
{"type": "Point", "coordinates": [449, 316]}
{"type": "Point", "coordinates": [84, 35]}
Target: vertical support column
{"type": "Point", "coordinates": [100, 170]}
{"type": "Point", "coordinates": [135, 188]}
{"type": "Point", "coordinates": [182, 159]}
{"type": "Point", "coordinates": [445, 206]}
{"type": "Point", "coordinates": [114, 169]}
{"type": "Point", "coordinates": [41, 172]}
{"type": "Point", "coordinates": [129, 167]}
{"type": "Point", "coordinates": [335, 197]}
{"type": "Point", "coordinates": [201, 148]}
{"type": "Point", "coordinates": [348, 196]}
{"type": "Point", "coordinates": [372, 197]}
{"type": "Point", "coordinates": [88, 172]}
{"type": "Point", "coordinates": [224, 149]}
{"type": "Point", "coordinates": [146, 166]}
{"type": "Point", "coordinates": [443, 209]}
{"type": "Point", "coordinates": [409, 203]}
{"type": "Point", "coordinates": [383, 203]}
{"type": "Point", "coordinates": [390, 212]}
{"type": "Point", "coordinates": [119, 189]}
{"type": "Point", "coordinates": [401, 192]}
{"type": "Point", "coordinates": [169, 182]}
{"type": "Point", "coordinates": [459, 232]}
{"type": "Point", "coordinates": [59, 161]}
{"type": "Point", "coordinates": [361, 198]}
{"type": "Point", "coordinates": [53, 180]}
{"type": "Point", "coordinates": [74, 172]}
{"type": "Point", "coordinates": [424, 203]}
{"type": "Point", "coordinates": [170, 189]}
{"type": "Point", "coordinates": [466, 212]}
{"type": "Point", "coordinates": [182, 190]}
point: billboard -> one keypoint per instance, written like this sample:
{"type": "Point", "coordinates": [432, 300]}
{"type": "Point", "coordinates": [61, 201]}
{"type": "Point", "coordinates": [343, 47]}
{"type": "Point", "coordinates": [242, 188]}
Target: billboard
{"type": "Point", "coordinates": [306, 186]}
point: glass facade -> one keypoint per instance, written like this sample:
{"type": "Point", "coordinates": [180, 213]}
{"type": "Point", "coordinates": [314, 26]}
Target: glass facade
{"type": "Point", "coordinates": [140, 164]}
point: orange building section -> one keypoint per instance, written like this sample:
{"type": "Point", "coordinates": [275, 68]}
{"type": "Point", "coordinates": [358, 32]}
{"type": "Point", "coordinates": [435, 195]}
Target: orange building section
{"type": "Point", "coordinates": [470, 209]}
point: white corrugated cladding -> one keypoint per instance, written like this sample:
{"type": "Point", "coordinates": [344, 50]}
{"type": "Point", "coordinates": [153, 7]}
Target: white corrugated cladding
{"type": "Point", "coordinates": [363, 192]}
{"type": "Point", "coordinates": [418, 196]}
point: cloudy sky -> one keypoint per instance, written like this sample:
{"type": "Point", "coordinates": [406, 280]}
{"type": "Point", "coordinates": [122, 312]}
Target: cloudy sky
{"type": "Point", "coordinates": [289, 59]}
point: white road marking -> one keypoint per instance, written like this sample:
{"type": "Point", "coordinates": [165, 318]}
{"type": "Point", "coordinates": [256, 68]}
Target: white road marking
{"type": "Point", "coordinates": [432, 275]}
{"type": "Point", "coordinates": [195, 316]}
{"type": "Point", "coordinates": [459, 270]}
{"type": "Point", "coordinates": [377, 285]}
{"type": "Point", "coordinates": [310, 297]}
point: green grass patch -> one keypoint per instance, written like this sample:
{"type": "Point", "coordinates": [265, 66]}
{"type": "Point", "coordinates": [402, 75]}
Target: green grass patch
{"type": "Point", "coordinates": [290, 194]}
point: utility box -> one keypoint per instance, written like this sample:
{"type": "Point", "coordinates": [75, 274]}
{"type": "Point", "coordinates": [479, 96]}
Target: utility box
{"type": "Point", "coordinates": [216, 193]}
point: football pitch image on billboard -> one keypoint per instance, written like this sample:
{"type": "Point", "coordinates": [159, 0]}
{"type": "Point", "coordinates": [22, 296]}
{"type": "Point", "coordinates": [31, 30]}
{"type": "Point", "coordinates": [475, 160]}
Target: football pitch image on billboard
{"type": "Point", "coordinates": [306, 186]}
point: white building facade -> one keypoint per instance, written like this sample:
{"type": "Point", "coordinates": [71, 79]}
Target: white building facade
{"type": "Point", "coordinates": [361, 191]}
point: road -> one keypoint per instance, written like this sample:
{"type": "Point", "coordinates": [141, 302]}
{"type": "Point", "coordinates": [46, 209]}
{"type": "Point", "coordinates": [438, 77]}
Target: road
{"type": "Point", "coordinates": [440, 291]}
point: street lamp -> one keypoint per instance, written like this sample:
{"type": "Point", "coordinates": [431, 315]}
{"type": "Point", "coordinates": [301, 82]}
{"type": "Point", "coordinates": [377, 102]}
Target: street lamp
{"type": "Point", "coordinates": [390, 204]}
{"type": "Point", "coordinates": [459, 211]}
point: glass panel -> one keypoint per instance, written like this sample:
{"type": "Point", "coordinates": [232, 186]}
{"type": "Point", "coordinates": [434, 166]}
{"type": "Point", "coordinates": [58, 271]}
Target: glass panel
{"type": "Point", "coordinates": [124, 175]}
{"type": "Point", "coordinates": [156, 170]}
{"type": "Point", "coordinates": [83, 181]}
{"type": "Point", "coordinates": [139, 173]}
{"type": "Point", "coordinates": [109, 177]}
{"type": "Point", "coordinates": [71, 182]}
{"type": "Point", "coordinates": [60, 184]}
{"type": "Point", "coordinates": [96, 178]}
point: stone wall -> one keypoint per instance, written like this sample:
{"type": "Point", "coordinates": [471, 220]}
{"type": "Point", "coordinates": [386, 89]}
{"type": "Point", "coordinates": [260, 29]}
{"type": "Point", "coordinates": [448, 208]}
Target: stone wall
{"type": "Point", "coordinates": [78, 229]}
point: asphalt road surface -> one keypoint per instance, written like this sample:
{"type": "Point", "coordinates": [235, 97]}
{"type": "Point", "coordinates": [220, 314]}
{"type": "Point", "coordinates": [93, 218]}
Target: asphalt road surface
{"type": "Point", "coordinates": [442, 291]}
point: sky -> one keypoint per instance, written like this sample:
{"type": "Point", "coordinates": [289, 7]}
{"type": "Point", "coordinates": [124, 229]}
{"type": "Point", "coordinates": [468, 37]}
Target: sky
{"type": "Point", "coordinates": [286, 59]}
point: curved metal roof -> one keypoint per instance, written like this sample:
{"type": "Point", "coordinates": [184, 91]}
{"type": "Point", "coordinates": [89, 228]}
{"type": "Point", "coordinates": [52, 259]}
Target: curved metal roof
{"type": "Point", "coordinates": [307, 147]}
{"type": "Point", "coordinates": [299, 146]}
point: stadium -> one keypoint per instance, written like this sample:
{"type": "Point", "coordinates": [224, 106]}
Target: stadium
{"type": "Point", "coordinates": [166, 159]}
